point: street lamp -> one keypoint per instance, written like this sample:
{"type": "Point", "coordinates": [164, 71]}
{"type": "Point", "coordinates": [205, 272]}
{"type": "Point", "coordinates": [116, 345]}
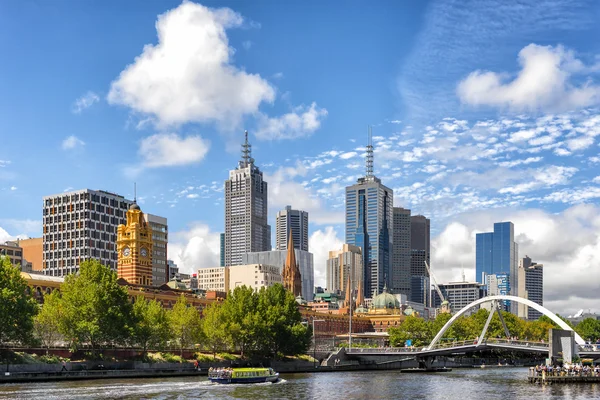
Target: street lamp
{"type": "Point", "coordinates": [315, 341]}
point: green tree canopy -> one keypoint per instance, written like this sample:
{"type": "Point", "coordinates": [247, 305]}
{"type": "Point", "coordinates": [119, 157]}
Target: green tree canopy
{"type": "Point", "coordinates": [214, 329]}
{"type": "Point", "coordinates": [184, 321]}
{"type": "Point", "coordinates": [412, 328]}
{"type": "Point", "coordinates": [17, 307]}
{"type": "Point", "coordinates": [589, 329]}
{"type": "Point", "coordinates": [47, 322]}
{"type": "Point", "coordinates": [151, 325]}
{"type": "Point", "coordinates": [96, 308]}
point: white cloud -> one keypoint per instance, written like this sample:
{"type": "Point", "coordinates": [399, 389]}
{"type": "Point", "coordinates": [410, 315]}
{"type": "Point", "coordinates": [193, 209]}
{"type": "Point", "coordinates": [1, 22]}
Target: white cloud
{"type": "Point", "coordinates": [320, 243]}
{"type": "Point", "coordinates": [4, 163]}
{"type": "Point", "coordinates": [566, 243]}
{"type": "Point", "coordinates": [520, 162]}
{"type": "Point", "coordinates": [72, 142]}
{"type": "Point", "coordinates": [543, 84]}
{"type": "Point", "coordinates": [13, 188]}
{"type": "Point", "coordinates": [165, 150]}
{"type": "Point", "coordinates": [188, 76]}
{"type": "Point", "coordinates": [580, 143]}
{"type": "Point", "coordinates": [193, 196]}
{"type": "Point", "coordinates": [194, 248]}
{"type": "Point", "coordinates": [85, 101]}
{"type": "Point", "coordinates": [348, 155]}
{"type": "Point", "coordinates": [302, 121]}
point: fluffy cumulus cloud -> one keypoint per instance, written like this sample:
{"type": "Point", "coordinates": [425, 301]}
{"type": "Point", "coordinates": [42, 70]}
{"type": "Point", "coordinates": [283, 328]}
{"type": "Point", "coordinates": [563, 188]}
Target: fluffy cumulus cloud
{"type": "Point", "coordinates": [165, 150]}
{"type": "Point", "coordinates": [321, 242]}
{"type": "Point", "coordinates": [188, 76]}
{"type": "Point", "coordinates": [547, 81]}
{"type": "Point", "coordinates": [72, 142]}
{"type": "Point", "coordinates": [566, 243]}
{"type": "Point", "coordinates": [194, 248]}
{"type": "Point", "coordinates": [85, 101]}
{"type": "Point", "coordinates": [302, 121]}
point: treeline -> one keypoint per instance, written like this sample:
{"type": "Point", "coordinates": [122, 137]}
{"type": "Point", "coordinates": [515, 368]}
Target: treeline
{"type": "Point", "coordinates": [92, 311]}
{"type": "Point", "coordinates": [422, 332]}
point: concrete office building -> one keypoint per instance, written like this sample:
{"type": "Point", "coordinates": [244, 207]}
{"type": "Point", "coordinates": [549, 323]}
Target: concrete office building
{"type": "Point", "coordinates": [420, 290]}
{"type": "Point", "coordinates": [246, 212]}
{"type": "Point", "coordinates": [216, 279]}
{"type": "Point", "coordinates": [278, 257]}
{"type": "Point", "coordinates": [420, 245]}
{"type": "Point", "coordinates": [13, 251]}
{"type": "Point", "coordinates": [160, 239]}
{"type": "Point", "coordinates": [531, 286]}
{"type": "Point", "coordinates": [172, 269]}
{"type": "Point", "coordinates": [499, 284]}
{"type": "Point", "coordinates": [295, 221]}
{"type": "Point", "coordinates": [81, 225]}
{"type": "Point", "coordinates": [255, 276]}
{"type": "Point", "coordinates": [369, 219]}
{"type": "Point", "coordinates": [342, 263]}
{"type": "Point", "coordinates": [497, 253]}
{"type": "Point", "coordinates": [401, 255]}
{"type": "Point", "coordinates": [459, 294]}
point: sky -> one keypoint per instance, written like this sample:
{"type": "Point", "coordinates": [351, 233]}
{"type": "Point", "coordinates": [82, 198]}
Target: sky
{"type": "Point", "coordinates": [482, 111]}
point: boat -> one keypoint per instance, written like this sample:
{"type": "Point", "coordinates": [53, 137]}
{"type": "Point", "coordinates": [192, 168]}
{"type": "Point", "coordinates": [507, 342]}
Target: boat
{"type": "Point", "coordinates": [242, 375]}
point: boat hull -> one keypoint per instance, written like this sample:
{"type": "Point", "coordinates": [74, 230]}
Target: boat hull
{"type": "Point", "coordinates": [254, 379]}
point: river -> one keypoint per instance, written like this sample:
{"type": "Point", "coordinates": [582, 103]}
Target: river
{"type": "Point", "coordinates": [462, 384]}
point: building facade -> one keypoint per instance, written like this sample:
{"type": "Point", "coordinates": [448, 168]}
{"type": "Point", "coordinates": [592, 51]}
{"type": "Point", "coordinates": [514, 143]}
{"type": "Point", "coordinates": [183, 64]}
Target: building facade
{"type": "Point", "coordinates": [160, 241]}
{"type": "Point", "coordinates": [401, 255]}
{"type": "Point", "coordinates": [420, 291]}
{"type": "Point", "coordinates": [255, 276]}
{"type": "Point", "coordinates": [172, 269]}
{"type": "Point", "coordinates": [369, 218]}
{"type": "Point", "coordinates": [342, 263]}
{"type": "Point", "coordinates": [246, 212]}
{"type": "Point", "coordinates": [531, 286]}
{"type": "Point", "coordinates": [222, 247]}
{"type": "Point", "coordinates": [33, 249]}
{"type": "Point", "coordinates": [499, 285]}
{"type": "Point", "coordinates": [459, 294]}
{"type": "Point", "coordinates": [420, 245]}
{"type": "Point", "coordinates": [135, 248]}
{"type": "Point", "coordinates": [216, 279]}
{"type": "Point", "coordinates": [278, 257]}
{"type": "Point", "coordinates": [81, 225]}
{"type": "Point", "coordinates": [13, 251]}
{"type": "Point", "coordinates": [295, 221]}
{"type": "Point", "coordinates": [292, 279]}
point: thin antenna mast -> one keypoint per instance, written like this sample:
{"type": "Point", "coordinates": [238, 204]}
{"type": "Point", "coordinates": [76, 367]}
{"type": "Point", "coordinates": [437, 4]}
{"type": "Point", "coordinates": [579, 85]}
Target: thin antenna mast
{"type": "Point", "coordinates": [134, 192]}
{"type": "Point", "coordinates": [246, 152]}
{"type": "Point", "coordinates": [369, 159]}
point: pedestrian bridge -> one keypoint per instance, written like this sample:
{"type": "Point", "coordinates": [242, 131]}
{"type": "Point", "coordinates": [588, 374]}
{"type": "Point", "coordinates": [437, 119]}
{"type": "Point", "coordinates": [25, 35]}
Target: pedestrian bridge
{"type": "Point", "coordinates": [437, 347]}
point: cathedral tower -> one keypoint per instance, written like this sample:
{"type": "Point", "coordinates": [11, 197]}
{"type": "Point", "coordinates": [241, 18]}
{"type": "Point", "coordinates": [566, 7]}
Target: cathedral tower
{"type": "Point", "coordinates": [292, 280]}
{"type": "Point", "coordinates": [134, 247]}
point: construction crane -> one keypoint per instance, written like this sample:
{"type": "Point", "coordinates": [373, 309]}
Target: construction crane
{"type": "Point", "coordinates": [445, 306]}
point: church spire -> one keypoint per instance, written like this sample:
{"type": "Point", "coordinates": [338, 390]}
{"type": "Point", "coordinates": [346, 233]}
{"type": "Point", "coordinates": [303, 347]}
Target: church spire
{"type": "Point", "coordinates": [360, 297]}
{"type": "Point", "coordinates": [292, 280]}
{"type": "Point", "coordinates": [348, 299]}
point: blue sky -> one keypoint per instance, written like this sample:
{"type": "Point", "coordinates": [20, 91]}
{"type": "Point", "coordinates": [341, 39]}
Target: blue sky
{"type": "Point", "coordinates": [481, 111]}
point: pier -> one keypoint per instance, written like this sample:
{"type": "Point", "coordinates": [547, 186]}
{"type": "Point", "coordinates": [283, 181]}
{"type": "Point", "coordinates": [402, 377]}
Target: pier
{"type": "Point", "coordinates": [562, 377]}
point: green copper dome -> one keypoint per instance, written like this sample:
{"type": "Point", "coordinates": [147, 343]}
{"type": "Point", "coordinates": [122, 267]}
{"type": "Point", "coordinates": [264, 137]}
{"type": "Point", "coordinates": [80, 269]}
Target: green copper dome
{"type": "Point", "coordinates": [385, 300]}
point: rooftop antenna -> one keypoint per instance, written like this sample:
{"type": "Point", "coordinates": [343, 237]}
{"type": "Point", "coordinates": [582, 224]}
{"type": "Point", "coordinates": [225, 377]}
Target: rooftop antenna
{"type": "Point", "coordinates": [463, 272]}
{"type": "Point", "coordinates": [246, 152]}
{"type": "Point", "coordinates": [369, 159]}
{"type": "Point", "coordinates": [134, 192]}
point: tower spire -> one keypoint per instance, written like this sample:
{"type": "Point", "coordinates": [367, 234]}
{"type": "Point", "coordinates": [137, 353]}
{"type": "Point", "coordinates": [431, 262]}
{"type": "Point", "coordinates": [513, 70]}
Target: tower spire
{"type": "Point", "coordinates": [134, 192]}
{"type": "Point", "coordinates": [369, 159]}
{"type": "Point", "coordinates": [246, 152]}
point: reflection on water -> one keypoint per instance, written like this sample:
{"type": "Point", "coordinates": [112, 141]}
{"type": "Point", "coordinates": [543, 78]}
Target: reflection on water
{"type": "Point", "coordinates": [464, 384]}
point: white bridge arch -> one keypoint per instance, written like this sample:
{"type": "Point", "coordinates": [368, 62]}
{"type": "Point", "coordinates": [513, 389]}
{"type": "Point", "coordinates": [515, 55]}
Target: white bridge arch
{"type": "Point", "coordinates": [495, 299]}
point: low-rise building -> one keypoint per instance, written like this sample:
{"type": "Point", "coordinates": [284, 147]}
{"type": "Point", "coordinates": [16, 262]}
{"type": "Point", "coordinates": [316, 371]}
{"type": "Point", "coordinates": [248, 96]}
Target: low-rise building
{"type": "Point", "coordinates": [13, 251]}
{"type": "Point", "coordinates": [459, 294]}
{"type": "Point", "coordinates": [33, 250]}
{"type": "Point", "coordinates": [255, 276]}
{"type": "Point", "coordinates": [214, 279]}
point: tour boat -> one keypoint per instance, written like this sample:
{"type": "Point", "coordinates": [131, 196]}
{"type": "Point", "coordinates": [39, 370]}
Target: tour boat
{"type": "Point", "coordinates": [242, 375]}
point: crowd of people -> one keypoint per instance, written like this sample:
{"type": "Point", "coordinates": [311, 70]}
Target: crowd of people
{"type": "Point", "coordinates": [220, 372]}
{"type": "Point", "coordinates": [567, 370]}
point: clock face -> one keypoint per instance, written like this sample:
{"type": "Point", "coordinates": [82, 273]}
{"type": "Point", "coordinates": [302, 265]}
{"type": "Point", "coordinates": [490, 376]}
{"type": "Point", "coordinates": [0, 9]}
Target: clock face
{"type": "Point", "coordinates": [144, 252]}
{"type": "Point", "coordinates": [126, 251]}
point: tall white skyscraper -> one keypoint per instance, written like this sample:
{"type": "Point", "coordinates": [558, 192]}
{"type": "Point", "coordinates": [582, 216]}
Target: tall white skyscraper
{"type": "Point", "coordinates": [246, 227]}
{"type": "Point", "coordinates": [297, 222]}
{"type": "Point", "coordinates": [80, 225]}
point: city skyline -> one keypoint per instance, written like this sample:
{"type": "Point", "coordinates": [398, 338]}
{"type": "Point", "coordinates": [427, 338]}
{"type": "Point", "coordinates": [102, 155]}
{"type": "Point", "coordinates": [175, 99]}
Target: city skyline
{"type": "Point", "coordinates": [463, 153]}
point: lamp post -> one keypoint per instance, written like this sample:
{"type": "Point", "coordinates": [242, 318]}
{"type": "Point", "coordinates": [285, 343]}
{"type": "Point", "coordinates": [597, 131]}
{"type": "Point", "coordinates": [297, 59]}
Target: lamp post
{"type": "Point", "coordinates": [315, 341]}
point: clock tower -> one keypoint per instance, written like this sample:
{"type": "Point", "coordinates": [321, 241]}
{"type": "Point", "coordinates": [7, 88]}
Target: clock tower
{"type": "Point", "coordinates": [134, 247]}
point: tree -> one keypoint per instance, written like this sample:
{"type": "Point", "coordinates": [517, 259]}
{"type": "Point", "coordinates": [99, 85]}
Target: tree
{"type": "Point", "coordinates": [412, 328]}
{"type": "Point", "coordinates": [184, 322]}
{"type": "Point", "coordinates": [47, 322]}
{"type": "Point", "coordinates": [589, 329]}
{"type": "Point", "coordinates": [242, 322]}
{"type": "Point", "coordinates": [214, 330]}
{"type": "Point", "coordinates": [151, 325]}
{"type": "Point", "coordinates": [96, 309]}
{"type": "Point", "coordinates": [17, 307]}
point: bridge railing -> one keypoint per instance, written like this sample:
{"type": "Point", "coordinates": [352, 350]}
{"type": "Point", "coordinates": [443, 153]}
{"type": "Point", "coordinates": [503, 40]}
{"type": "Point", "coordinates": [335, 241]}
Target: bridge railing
{"type": "Point", "coordinates": [451, 345]}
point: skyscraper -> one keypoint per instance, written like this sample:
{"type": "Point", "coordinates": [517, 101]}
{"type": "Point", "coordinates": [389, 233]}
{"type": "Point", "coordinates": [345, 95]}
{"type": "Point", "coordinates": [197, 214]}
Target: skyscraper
{"type": "Point", "coordinates": [530, 286]}
{"type": "Point", "coordinates": [80, 225]}
{"type": "Point", "coordinates": [420, 245]}
{"type": "Point", "coordinates": [246, 227]}
{"type": "Point", "coordinates": [294, 221]}
{"type": "Point", "coordinates": [401, 258]}
{"type": "Point", "coordinates": [369, 218]}
{"type": "Point", "coordinates": [341, 264]}
{"type": "Point", "coordinates": [496, 253]}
